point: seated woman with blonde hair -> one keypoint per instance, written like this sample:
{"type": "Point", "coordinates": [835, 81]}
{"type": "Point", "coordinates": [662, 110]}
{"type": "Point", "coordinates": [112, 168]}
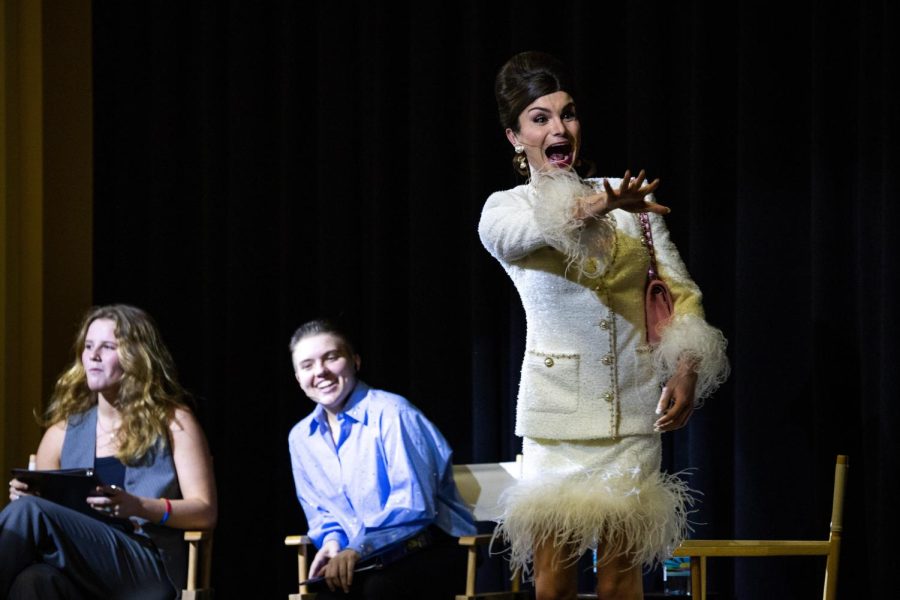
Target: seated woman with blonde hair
{"type": "Point", "coordinates": [120, 410]}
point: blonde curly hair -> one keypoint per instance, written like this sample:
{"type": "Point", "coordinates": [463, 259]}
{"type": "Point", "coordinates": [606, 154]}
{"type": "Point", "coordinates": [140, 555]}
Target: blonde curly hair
{"type": "Point", "coordinates": [149, 392]}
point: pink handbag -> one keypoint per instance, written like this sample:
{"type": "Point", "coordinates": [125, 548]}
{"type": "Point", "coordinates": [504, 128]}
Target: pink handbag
{"type": "Point", "coordinates": [658, 306]}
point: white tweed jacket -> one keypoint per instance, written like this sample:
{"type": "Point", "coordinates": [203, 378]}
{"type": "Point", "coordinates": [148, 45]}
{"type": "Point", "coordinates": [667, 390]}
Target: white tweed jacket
{"type": "Point", "coordinates": [588, 372]}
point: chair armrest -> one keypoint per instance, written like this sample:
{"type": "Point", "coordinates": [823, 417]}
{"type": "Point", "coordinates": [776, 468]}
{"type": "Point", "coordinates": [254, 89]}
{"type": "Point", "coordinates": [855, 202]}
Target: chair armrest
{"type": "Point", "coordinates": [475, 540]}
{"type": "Point", "coordinates": [303, 544]}
{"type": "Point", "coordinates": [297, 540]}
{"type": "Point", "coordinates": [753, 548]}
{"type": "Point", "coordinates": [197, 536]}
{"type": "Point", "coordinates": [199, 563]}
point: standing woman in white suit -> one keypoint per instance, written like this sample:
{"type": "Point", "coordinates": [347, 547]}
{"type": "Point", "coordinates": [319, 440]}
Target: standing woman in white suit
{"type": "Point", "coordinates": [595, 394]}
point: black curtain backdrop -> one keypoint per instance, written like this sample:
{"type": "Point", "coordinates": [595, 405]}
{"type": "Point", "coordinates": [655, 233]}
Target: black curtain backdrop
{"type": "Point", "coordinates": [260, 164]}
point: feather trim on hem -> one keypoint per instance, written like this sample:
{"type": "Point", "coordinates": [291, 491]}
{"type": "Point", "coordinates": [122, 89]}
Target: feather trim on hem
{"type": "Point", "coordinates": [690, 337]}
{"type": "Point", "coordinates": [558, 193]}
{"type": "Point", "coordinates": [642, 517]}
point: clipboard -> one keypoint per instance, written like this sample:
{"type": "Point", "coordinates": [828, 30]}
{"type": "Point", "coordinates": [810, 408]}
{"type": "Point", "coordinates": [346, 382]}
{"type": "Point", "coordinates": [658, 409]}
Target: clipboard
{"type": "Point", "coordinates": [69, 488]}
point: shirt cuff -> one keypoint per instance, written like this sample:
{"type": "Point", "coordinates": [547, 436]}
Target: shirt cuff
{"type": "Point", "coordinates": [362, 545]}
{"type": "Point", "coordinates": [338, 536]}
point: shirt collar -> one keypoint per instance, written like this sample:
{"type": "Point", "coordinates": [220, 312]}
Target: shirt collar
{"type": "Point", "coordinates": [356, 409]}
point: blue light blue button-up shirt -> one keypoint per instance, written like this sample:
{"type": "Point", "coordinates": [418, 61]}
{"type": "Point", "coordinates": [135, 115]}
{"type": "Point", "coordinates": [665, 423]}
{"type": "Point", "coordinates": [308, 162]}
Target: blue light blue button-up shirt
{"type": "Point", "coordinates": [388, 476]}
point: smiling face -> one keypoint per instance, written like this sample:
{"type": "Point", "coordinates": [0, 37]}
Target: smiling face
{"type": "Point", "coordinates": [550, 131]}
{"type": "Point", "coordinates": [325, 370]}
{"type": "Point", "coordinates": [100, 358]}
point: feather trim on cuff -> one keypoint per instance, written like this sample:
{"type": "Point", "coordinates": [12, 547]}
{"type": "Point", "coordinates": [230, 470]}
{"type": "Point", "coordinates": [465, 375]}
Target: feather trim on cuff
{"type": "Point", "coordinates": [557, 195]}
{"type": "Point", "coordinates": [690, 337]}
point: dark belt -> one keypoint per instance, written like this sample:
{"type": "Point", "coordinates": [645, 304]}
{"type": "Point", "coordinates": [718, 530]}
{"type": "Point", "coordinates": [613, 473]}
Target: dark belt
{"type": "Point", "coordinates": [428, 537]}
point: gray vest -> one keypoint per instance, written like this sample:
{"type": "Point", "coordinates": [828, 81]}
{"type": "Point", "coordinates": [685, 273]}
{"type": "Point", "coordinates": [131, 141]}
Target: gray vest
{"type": "Point", "coordinates": [154, 477]}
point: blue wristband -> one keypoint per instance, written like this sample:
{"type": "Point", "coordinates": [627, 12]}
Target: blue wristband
{"type": "Point", "coordinates": [168, 512]}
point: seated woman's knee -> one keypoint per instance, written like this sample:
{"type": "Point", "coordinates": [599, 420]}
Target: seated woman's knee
{"type": "Point", "coordinates": [22, 508]}
{"type": "Point", "coordinates": [43, 581]}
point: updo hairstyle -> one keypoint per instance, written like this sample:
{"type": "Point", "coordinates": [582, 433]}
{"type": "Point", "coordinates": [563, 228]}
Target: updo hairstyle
{"type": "Point", "coordinates": [523, 79]}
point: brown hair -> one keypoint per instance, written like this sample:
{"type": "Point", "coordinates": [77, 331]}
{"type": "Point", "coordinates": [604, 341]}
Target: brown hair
{"type": "Point", "coordinates": [526, 77]}
{"type": "Point", "coordinates": [317, 327]}
{"type": "Point", "coordinates": [523, 79]}
{"type": "Point", "coordinates": [149, 391]}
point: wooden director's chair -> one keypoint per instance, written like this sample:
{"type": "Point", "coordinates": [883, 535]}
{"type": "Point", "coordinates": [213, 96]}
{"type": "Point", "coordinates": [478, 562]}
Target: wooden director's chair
{"type": "Point", "coordinates": [480, 486]}
{"type": "Point", "coordinates": [700, 550]}
{"type": "Point", "coordinates": [199, 565]}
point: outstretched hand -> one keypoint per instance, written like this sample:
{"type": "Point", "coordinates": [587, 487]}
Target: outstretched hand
{"type": "Point", "coordinates": [631, 196]}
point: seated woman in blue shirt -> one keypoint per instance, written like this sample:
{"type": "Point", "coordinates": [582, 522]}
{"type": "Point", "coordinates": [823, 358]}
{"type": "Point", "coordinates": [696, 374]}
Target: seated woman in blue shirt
{"type": "Point", "coordinates": [120, 410]}
{"type": "Point", "coordinates": [375, 480]}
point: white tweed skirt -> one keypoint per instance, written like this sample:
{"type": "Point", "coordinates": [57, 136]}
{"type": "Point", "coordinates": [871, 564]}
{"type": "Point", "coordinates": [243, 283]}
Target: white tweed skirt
{"type": "Point", "coordinates": [603, 494]}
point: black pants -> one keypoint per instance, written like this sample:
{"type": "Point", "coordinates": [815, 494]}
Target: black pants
{"type": "Point", "coordinates": [93, 559]}
{"type": "Point", "coordinates": [437, 572]}
{"type": "Point", "coordinates": [45, 582]}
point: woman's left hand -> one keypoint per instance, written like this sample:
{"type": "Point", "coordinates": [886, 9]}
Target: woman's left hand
{"type": "Point", "coordinates": [631, 196]}
{"type": "Point", "coordinates": [676, 403]}
{"type": "Point", "coordinates": [115, 502]}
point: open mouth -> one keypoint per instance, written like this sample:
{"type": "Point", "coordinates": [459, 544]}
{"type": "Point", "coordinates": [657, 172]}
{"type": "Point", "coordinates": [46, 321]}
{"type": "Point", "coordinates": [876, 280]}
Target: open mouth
{"type": "Point", "coordinates": [326, 386]}
{"type": "Point", "coordinates": [560, 154]}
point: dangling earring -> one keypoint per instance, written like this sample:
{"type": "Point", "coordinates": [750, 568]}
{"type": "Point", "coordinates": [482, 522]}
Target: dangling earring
{"type": "Point", "coordinates": [521, 160]}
